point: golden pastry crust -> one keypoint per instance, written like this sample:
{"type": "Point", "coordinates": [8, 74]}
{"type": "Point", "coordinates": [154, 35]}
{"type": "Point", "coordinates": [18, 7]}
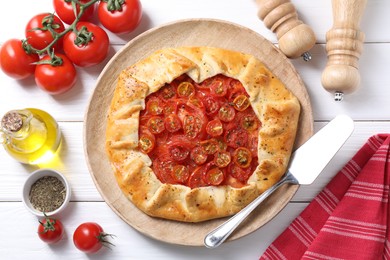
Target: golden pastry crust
{"type": "Point", "coordinates": [275, 106]}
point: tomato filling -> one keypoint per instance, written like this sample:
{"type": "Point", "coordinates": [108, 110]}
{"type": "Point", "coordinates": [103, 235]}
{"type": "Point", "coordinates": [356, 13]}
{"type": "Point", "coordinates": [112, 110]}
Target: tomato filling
{"type": "Point", "coordinates": [202, 134]}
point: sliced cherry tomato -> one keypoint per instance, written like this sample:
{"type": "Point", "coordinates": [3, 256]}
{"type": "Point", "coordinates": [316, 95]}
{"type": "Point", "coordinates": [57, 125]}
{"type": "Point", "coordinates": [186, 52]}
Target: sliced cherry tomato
{"type": "Point", "coordinates": [86, 53]}
{"type": "Point", "coordinates": [15, 61]}
{"type": "Point", "coordinates": [146, 142]}
{"type": "Point", "coordinates": [154, 106]}
{"type": "Point", "coordinates": [222, 146]}
{"type": "Point", "coordinates": [172, 123]}
{"type": "Point", "coordinates": [250, 122]}
{"type": "Point", "coordinates": [185, 89]}
{"type": "Point", "coordinates": [241, 174]}
{"type": "Point", "coordinates": [170, 107]}
{"type": "Point", "coordinates": [242, 157]}
{"type": "Point", "coordinates": [222, 159]}
{"type": "Point", "coordinates": [218, 88]}
{"type": "Point", "coordinates": [180, 173]}
{"type": "Point", "coordinates": [38, 33]}
{"type": "Point", "coordinates": [124, 20]}
{"type": "Point", "coordinates": [55, 79]}
{"type": "Point", "coordinates": [195, 101]}
{"type": "Point", "coordinates": [64, 10]}
{"type": "Point", "coordinates": [210, 145]}
{"type": "Point", "coordinates": [192, 126]}
{"type": "Point", "coordinates": [211, 105]}
{"type": "Point", "coordinates": [214, 176]}
{"type": "Point", "coordinates": [241, 102]}
{"type": "Point", "coordinates": [198, 155]}
{"type": "Point", "coordinates": [167, 92]}
{"type": "Point", "coordinates": [156, 125]}
{"type": "Point", "coordinates": [236, 138]}
{"type": "Point", "coordinates": [226, 113]}
{"type": "Point", "coordinates": [214, 127]}
{"type": "Point", "coordinates": [179, 153]}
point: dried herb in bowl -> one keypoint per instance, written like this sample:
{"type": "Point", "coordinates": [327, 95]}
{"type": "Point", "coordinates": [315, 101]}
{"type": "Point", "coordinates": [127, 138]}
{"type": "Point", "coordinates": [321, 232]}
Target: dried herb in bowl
{"type": "Point", "coordinates": [47, 194]}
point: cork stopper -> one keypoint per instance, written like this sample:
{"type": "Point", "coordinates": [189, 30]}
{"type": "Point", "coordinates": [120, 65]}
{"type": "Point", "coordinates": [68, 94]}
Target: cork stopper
{"type": "Point", "coordinates": [12, 122]}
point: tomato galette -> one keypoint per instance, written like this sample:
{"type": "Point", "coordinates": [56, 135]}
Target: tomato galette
{"type": "Point", "coordinates": [196, 133]}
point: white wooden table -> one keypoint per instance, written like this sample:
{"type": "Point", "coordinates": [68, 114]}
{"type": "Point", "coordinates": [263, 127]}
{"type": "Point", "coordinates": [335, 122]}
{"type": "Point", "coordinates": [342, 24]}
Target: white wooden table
{"type": "Point", "coordinates": [369, 107]}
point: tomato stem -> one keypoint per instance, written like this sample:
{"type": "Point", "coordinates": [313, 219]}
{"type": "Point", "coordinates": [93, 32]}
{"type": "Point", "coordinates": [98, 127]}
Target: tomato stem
{"type": "Point", "coordinates": [48, 24]}
{"type": "Point", "coordinates": [102, 239]}
{"type": "Point", "coordinates": [114, 5]}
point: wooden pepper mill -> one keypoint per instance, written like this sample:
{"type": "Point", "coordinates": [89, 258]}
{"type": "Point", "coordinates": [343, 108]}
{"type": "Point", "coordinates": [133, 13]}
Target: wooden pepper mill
{"type": "Point", "coordinates": [344, 45]}
{"type": "Point", "coordinates": [280, 16]}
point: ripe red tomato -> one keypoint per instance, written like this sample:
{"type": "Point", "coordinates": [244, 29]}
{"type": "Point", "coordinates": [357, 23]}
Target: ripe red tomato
{"type": "Point", "coordinates": [65, 11]}
{"type": "Point", "coordinates": [89, 237]}
{"type": "Point", "coordinates": [121, 21]}
{"type": "Point", "coordinates": [56, 79]}
{"type": "Point", "coordinates": [50, 230]}
{"type": "Point", "coordinates": [14, 60]}
{"type": "Point", "coordinates": [38, 34]}
{"type": "Point", "coordinates": [90, 53]}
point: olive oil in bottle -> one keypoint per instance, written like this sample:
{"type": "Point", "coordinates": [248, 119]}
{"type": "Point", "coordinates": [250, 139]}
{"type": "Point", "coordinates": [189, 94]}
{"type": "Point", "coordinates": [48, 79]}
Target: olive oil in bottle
{"type": "Point", "coordinates": [30, 135]}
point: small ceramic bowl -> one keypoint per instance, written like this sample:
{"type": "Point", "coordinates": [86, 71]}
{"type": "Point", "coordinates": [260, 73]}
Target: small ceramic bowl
{"type": "Point", "coordinates": [34, 176]}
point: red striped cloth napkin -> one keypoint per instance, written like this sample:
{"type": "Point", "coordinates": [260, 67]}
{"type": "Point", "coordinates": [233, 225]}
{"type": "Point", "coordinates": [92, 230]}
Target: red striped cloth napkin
{"type": "Point", "coordinates": [349, 218]}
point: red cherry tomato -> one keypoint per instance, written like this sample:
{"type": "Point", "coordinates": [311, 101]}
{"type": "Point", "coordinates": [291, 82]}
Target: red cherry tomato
{"type": "Point", "coordinates": [156, 125]}
{"type": "Point", "coordinates": [56, 79]}
{"type": "Point", "coordinates": [85, 54]}
{"type": "Point", "coordinates": [180, 173]}
{"type": "Point", "coordinates": [249, 122]}
{"type": "Point", "coordinates": [214, 127]}
{"type": "Point", "coordinates": [236, 138]}
{"type": "Point", "coordinates": [167, 92]}
{"type": "Point", "coordinates": [214, 176]}
{"type": "Point", "coordinates": [38, 33]}
{"type": "Point", "coordinates": [241, 174]}
{"type": "Point", "coordinates": [241, 102]}
{"type": "Point", "coordinates": [226, 113]}
{"type": "Point", "coordinates": [65, 11]}
{"type": "Point", "coordinates": [198, 155]}
{"type": "Point", "coordinates": [164, 170]}
{"type": "Point", "coordinates": [242, 157]}
{"type": "Point", "coordinates": [196, 178]}
{"type": "Point", "coordinates": [192, 126]}
{"type": "Point", "coordinates": [222, 159]}
{"type": "Point", "coordinates": [14, 60]}
{"type": "Point", "coordinates": [210, 145]}
{"type": "Point", "coordinates": [218, 88]}
{"type": "Point", "coordinates": [50, 230]}
{"type": "Point", "coordinates": [185, 89]}
{"type": "Point", "coordinates": [89, 237]}
{"type": "Point", "coordinates": [154, 106]}
{"type": "Point", "coordinates": [121, 21]}
{"type": "Point", "coordinates": [178, 153]}
{"type": "Point", "coordinates": [146, 142]}
{"type": "Point", "coordinates": [172, 123]}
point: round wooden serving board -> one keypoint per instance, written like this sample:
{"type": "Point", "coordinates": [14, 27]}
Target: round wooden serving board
{"type": "Point", "coordinates": [195, 32]}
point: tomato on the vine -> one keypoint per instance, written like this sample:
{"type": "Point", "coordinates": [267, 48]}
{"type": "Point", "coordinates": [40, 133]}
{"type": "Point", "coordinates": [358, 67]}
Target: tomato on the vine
{"type": "Point", "coordinates": [89, 237]}
{"type": "Point", "coordinates": [38, 32]}
{"type": "Point", "coordinates": [50, 230]}
{"type": "Point", "coordinates": [15, 61]}
{"type": "Point", "coordinates": [55, 79]}
{"type": "Point", "coordinates": [124, 20]}
{"type": "Point", "coordinates": [64, 10]}
{"type": "Point", "coordinates": [84, 49]}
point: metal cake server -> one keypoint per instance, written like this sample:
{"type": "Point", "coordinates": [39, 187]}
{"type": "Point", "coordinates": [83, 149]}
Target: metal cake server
{"type": "Point", "coordinates": [306, 164]}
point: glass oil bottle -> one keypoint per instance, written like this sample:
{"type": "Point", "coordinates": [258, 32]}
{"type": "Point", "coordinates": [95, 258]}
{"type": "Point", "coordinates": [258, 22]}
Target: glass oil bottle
{"type": "Point", "coordinates": [30, 135]}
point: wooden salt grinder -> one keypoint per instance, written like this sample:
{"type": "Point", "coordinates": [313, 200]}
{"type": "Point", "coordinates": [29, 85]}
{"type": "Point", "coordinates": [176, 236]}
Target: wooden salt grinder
{"type": "Point", "coordinates": [344, 45]}
{"type": "Point", "coordinates": [280, 16]}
